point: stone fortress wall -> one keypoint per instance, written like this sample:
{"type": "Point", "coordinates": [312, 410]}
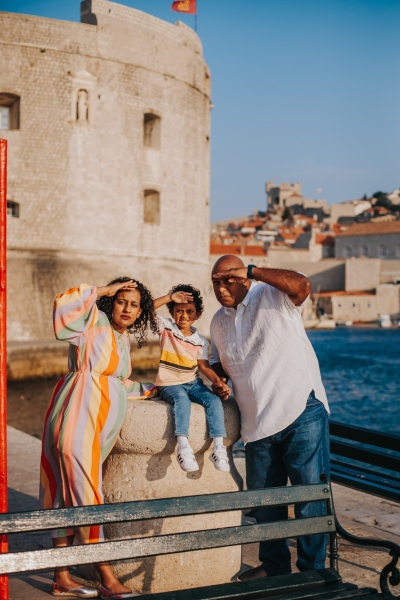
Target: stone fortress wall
{"type": "Point", "coordinates": [109, 159]}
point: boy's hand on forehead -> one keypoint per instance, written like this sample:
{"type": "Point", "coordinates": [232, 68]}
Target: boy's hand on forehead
{"type": "Point", "coordinates": [181, 297]}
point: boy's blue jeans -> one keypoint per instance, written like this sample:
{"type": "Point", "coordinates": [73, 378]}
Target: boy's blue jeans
{"type": "Point", "coordinates": [300, 452]}
{"type": "Point", "coordinates": [181, 396]}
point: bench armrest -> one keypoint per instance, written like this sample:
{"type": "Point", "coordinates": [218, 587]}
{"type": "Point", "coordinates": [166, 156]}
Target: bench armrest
{"type": "Point", "coordinates": [390, 574]}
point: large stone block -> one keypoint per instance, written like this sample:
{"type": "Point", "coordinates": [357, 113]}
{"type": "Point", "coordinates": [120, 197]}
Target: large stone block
{"type": "Point", "coordinates": [143, 466]}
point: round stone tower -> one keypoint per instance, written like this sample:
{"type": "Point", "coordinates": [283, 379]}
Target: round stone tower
{"type": "Point", "coordinates": [108, 123]}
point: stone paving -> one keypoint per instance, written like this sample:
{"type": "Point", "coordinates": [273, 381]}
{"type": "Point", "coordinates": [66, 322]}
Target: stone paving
{"type": "Point", "coordinates": [359, 513]}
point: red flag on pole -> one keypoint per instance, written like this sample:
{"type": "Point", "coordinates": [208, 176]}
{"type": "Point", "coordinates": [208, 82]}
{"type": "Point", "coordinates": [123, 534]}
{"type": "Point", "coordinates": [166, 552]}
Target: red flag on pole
{"type": "Point", "coordinates": [185, 6]}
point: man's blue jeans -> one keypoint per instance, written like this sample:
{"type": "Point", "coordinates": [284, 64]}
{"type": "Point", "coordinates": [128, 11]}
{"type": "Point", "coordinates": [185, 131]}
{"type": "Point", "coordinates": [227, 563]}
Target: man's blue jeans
{"type": "Point", "coordinates": [301, 453]}
{"type": "Point", "coordinates": [181, 397]}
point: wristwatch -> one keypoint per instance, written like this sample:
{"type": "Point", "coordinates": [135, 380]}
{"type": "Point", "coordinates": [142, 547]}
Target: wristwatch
{"type": "Point", "coordinates": [250, 271]}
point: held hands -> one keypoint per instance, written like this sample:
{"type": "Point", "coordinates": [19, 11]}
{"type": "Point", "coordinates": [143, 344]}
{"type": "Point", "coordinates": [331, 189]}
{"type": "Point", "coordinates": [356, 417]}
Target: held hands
{"type": "Point", "coordinates": [181, 297]}
{"type": "Point", "coordinates": [221, 389]}
{"type": "Point", "coordinates": [238, 275]}
{"type": "Point", "coordinates": [111, 290]}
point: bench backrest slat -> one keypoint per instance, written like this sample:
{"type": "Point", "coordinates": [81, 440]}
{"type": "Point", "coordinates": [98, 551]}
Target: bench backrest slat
{"type": "Point", "coordinates": [373, 475]}
{"type": "Point", "coordinates": [154, 509]}
{"type": "Point", "coordinates": [167, 544]}
{"type": "Point", "coordinates": [369, 487]}
{"type": "Point", "coordinates": [388, 441]}
{"type": "Point", "coordinates": [372, 457]}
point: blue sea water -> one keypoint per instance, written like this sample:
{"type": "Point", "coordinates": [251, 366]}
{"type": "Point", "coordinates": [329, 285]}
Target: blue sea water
{"type": "Point", "coordinates": [361, 372]}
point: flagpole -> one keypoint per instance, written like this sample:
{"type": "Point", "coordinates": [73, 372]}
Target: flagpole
{"type": "Point", "coordinates": [186, 6]}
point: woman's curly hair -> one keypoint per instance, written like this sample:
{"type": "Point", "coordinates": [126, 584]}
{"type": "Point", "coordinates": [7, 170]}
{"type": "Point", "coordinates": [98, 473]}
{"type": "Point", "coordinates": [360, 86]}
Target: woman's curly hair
{"type": "Point", "coordinates": [147, 319]}
{"type": "Point", "coordinates": [197, 299]}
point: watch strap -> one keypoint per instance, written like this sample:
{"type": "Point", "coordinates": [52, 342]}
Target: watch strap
{"type": "Point", "coordinates": [250, 271]}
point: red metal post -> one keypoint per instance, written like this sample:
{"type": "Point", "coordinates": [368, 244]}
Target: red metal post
{"type": "Point", "coordinates": [3, 355]}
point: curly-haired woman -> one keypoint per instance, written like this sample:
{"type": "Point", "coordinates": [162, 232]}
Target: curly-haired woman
{"type": "Point", "coordinates": [183, 353]}
{"type": "Point", "coordinates": [88, 407]}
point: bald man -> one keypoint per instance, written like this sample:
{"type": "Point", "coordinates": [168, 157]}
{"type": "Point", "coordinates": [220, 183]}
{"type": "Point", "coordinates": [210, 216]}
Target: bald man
{"type": "Point", "coordinates": [258, 341]}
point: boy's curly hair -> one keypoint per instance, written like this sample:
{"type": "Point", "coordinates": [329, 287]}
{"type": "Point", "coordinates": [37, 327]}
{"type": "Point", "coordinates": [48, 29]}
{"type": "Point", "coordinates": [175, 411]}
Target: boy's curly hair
{"type": "Point", "coordinates": [146, 321]}
{"type": "Point", "coordinates": [197, 299]}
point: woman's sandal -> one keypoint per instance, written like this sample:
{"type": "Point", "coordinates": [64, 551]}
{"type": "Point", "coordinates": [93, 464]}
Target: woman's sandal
{"type": "Point", "coordinates": [78, 592]}
{"type": "Point", "coordinates": [106, 594]}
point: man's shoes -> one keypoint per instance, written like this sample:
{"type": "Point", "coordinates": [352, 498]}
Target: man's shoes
{"type": "Point", "coordinates": [186, 460]}
{"type": "Point", "coordinates": [256, 573]}
{"type": "Point", "coordinates": [106, 594]}
{"type": "Point", "coordinates": [220, 459]}
{"type": "Point", "coordinates": [78, 592]}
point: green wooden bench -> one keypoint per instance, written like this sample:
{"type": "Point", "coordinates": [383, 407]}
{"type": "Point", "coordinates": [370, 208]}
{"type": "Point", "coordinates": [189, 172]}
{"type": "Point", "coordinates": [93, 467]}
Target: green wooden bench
{"type": "Point", "coordinates": [324, 584]}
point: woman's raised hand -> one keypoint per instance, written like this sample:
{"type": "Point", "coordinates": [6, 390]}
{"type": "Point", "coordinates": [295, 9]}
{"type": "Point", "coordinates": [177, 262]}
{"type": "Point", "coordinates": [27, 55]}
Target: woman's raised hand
{"type": "Point", "coordinates": [111, 290]}
{"type": "Point", "coordinates": [181, 297]}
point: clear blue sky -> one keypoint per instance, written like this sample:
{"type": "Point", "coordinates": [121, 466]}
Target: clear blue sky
{"type": "Point", "coordinates": [304, 90]}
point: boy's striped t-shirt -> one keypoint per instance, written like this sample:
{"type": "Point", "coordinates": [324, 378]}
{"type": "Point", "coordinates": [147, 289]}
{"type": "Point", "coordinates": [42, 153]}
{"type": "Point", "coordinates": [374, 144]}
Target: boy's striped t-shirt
{"type": "Point", "coordinates": [179, 354]}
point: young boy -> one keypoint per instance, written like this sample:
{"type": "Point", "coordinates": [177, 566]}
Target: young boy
{"type": "Point", "coordinates": [183, 352]}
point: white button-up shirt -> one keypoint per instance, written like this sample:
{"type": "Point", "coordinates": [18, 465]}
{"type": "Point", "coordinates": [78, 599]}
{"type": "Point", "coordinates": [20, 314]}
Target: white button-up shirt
{"type": "Point", "coordinates": [263, 347]}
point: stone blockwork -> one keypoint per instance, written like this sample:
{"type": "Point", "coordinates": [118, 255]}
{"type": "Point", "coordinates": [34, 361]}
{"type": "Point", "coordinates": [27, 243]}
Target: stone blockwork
{"type": "Point", "coordinates": [78, 164]}
{"type": "Point", "coordinates": [362, 274]}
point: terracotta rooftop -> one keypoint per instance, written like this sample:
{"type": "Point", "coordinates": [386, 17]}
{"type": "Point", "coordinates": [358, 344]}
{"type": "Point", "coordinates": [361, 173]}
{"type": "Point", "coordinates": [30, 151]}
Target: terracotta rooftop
{"type": "Point", "coordinates": [338, 228]}
{"type": "Point", "coordinates": [371, 229]}
{"type": "Point", "coordinates": [344, 293]}
{"type": "Point", "coordinates": [254, 250]}
{"type": "Point", "coordinates": [325, 239]}
{"type": "Point", "coordinates": [253, 223]}
{"type": "Point", "coordinates": [248, 249]}
{"type": "Point", "coordinates": [224, 248]}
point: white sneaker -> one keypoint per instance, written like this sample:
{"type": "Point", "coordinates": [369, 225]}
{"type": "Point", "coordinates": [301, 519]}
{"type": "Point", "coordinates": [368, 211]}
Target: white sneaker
{"type": "Point", "coordinates": [220, 459]}
{"type": "Point", "coordinates": [186, 460]}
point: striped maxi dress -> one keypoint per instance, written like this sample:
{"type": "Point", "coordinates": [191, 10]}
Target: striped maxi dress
{"type": "Point", "coordinates": [87, 408]}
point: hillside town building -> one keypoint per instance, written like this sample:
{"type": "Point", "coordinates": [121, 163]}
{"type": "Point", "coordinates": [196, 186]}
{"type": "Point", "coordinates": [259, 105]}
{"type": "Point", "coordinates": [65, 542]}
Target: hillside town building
{"type": "Point", "coordinates": [288, 195]}
{"type": "Point", "coordinates": [350, 210]}
{"type": "Point", "coordinates": [371, 240]}
{"type": "Point", "coordinates": [351, 256]}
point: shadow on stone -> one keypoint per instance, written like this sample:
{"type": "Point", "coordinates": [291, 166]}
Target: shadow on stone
{"type": "Point", "coordinates": [20, 502]}
{"type": "Point", "coordinates": [41, 581]}
{"type": "Point", "coordinates": [158, 463]}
